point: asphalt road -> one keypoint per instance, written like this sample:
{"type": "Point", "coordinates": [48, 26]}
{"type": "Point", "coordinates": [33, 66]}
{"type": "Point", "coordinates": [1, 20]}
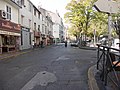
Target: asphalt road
{"type": "Point", "coordinates": [50, 68]}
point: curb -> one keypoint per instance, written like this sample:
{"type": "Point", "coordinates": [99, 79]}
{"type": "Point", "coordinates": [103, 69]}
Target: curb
{"type": "Point", "coordinates": [91, 79]}
{"type": "Point", "coordinates": [14, 55]}
{"type": "Point", "coordinates": [20, 53]}
{"type": "Point", "coordinates": [88, 48]}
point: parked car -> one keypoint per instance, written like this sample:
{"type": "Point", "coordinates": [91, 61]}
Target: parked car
{"type": "Point", "coordinates": [75, 44]}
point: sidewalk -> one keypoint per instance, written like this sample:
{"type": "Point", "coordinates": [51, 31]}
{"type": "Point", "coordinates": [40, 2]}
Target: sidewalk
{"type": "Point", "coordinates": [94, 79]}
{"type": "Point", "coordinates": [14, 54]}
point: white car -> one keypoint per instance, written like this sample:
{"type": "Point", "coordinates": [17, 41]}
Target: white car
{"type": "Point", "coordinates": [75, 44]}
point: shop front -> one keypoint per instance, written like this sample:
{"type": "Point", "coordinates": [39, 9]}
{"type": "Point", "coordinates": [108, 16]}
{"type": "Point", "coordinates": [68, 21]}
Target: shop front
{"type": "Point", "coordinates": [37, 38]}
{"type": "Point", "coordinates": [44, 39]}
{"type": "Point", "coordinates": [9, 36]}
{"type": "Point", "coordinates": [51, 39]}
{"type": "Point", "coordinates": [25, 38]}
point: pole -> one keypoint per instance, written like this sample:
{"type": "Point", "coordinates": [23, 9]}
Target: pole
{"type": "Point", "coordinates": [94, 37]}
{"type": "Point", "coordinates": [109, 29]}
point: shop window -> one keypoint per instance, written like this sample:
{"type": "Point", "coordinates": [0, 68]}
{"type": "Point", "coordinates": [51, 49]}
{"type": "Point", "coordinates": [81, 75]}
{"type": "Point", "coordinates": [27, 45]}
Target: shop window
{"type": "Point", "coordinates": [9, 40]}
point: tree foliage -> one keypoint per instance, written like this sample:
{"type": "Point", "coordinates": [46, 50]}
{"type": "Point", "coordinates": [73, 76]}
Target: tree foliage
{"type": "Point", "coordinates": [82, 15]}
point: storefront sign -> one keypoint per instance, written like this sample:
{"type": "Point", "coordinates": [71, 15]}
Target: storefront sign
{"type": "Point", "coordinates": [9, 33]}
{"type": "Point", "coordinates": [9, 26]}
{"type": "Point", "coordinates": [25, 28]}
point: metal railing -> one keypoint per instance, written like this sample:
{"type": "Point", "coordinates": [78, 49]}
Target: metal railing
{"type": "Point", "coordinates": [108, 63]}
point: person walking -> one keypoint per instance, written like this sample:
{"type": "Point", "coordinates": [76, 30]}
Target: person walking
{"type": "Point", "coordinates": [41, 44]}
{"type": "Point", "coordinates": [33, 44]}
{"type": "Point", "coordinates": [65, 43]}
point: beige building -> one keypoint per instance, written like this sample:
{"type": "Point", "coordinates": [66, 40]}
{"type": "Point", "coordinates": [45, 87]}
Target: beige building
{"type": "Point", "coordinates": [9, 27]}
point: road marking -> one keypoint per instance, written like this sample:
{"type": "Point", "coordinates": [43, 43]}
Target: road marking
{"type": "Point", "coordinates": [41, 78]}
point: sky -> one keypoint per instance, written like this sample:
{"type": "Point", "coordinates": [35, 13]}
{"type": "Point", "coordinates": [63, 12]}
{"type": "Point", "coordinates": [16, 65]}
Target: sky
{"type": "Point", "coordinates": [52, 5]}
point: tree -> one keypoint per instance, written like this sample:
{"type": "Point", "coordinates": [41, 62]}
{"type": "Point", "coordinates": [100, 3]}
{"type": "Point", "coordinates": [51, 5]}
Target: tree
{"type": "Point", "coordinates": [73, 30]}
{"type": "Point", "coordinates": [80, 14]}
{"type": "Point", "coordinates": [85, 17]}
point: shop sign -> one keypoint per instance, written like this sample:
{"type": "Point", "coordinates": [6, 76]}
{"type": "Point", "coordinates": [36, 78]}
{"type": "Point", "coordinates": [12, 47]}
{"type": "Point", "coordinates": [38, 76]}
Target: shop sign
{"type": "Point", "coordinates": [25, 28]}
{"type": "Point", "coordinates": [9, 33]}
{"type": "Point", "coordinates": [9, 26]}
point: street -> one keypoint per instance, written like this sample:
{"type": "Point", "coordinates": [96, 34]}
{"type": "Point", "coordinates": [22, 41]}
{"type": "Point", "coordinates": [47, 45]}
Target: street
{"type": "Point", "coordinates": [49, 68]}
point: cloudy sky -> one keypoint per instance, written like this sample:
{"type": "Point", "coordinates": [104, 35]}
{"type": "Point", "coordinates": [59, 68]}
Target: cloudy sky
{"type": "Point", "coordinates": [52, 5]}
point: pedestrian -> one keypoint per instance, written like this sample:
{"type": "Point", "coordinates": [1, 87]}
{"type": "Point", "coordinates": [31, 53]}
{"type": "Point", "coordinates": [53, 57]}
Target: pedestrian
{"type": "Point", "coordinates": [65, 43]}
{"type": "Point", "coordinates": [33, 44]}
{"type": "Point", "coordinates": [41, 44]}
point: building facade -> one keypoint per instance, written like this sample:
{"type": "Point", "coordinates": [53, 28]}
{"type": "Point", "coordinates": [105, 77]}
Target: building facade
{"type": "Point", "coordinates": [47, 27]}
{"type": "Point", "coordinates": [25, 19]}
{"type": "Point", "coordinates": [58, 27]}
{"type": "Point", "coordinates": [9, 25]}
{"type": "Point", "coordinates": [21, 23]}
{"type": "Point", "coordinates": [31, 22]}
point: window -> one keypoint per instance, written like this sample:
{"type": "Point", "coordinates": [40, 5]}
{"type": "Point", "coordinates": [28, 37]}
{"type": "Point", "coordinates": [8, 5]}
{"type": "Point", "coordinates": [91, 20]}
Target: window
{"type": "Point", "coordinates": [22, 2]}
{"type": "Point", "coordinates": [42, 28]}
{"type": "Point", "coordinates": [34, 26]}
{"type": "Point", "coordinates": [35, 12]}
{"type": "Point", "coordinates": [30, 7]}
{"type": "Point", "coordinates": [38, 27]}
{"type": "Point", "coordinates": [22, 19]}
{"type": "Point", "coordinates": [45, 29]}
{"type": "Point", "coordinates": [39, 15]}
{"type": "Point", "coordinates": [8, 11]}
{"type": "Point", "coordinates": [42, 18]}
{"type": "Point", "coordinates": [29, 23]}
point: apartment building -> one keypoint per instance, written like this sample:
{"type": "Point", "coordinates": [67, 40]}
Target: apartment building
{"type": "Point", "coordinates": [21, 23]}
{"type": "Point", "coordinates": [25, 19]}
{"type": "Point", "coordinates": [47, 27]}
{"type": "Point", "coordinates": [9, 25]}
{"type": "Point", "coordinates": [58, 27]}
{"type": "Point", "coordinates": [37, 24]}
{"type": "Point", "coordinates": [30, 20]}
